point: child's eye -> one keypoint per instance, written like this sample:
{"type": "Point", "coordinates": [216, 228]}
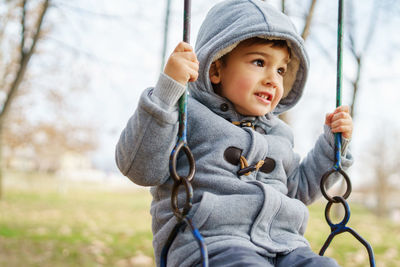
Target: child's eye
{"type": "Point", "coordinates": [281, 71]}
{"type": "Point", "coordinates": [259, 62]}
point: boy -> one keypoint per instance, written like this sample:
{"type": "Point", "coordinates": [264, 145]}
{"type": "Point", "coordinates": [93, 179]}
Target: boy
{"type": "Point", "coordinates": [250, 65]}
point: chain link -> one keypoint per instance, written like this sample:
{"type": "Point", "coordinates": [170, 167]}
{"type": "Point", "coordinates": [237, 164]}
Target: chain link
{"type": "Point", "coordinates": [340, 227]}
{"type": "Point", "coordinates": [185, 181]}
{"type": "Point", "coordinates": [324, 181]}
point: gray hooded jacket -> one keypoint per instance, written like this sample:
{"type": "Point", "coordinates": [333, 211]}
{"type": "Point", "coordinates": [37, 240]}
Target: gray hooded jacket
{"type": "Point", "coordinates": [264, 211]}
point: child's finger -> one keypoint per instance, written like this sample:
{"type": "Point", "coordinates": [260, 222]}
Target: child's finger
{"type": "Point", "coordinates": [341, 128]}
{"type": "Point", "coordinates": [346, 131]}
{"type": "Point", "coordinates": [193, 75]}
{"type": "Point", "coordinates": [193, 65]}
{"type": "Point", "coordinates": [190, 56]}
{"type": "Point", "coordinates": [183, 47]}
{"type": "Point", "coordinates": [328, 118]}
{"type": "Point", "coordinates": [341, 115]}
{"type": "Point", "coordinates": [344, 108]}
{"type": "Point", "coordinates": [341, 122]}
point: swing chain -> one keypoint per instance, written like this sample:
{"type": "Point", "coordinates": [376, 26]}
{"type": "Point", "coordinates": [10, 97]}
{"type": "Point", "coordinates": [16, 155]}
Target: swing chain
{"type": "Point", "coordinates": [340, 227]}
{"type": "Point", "coordinates": [324, 181]}
{"type": "Point", "coordinates": [179, 180]}
{"type": "Point", "coordinates": [182, 216]}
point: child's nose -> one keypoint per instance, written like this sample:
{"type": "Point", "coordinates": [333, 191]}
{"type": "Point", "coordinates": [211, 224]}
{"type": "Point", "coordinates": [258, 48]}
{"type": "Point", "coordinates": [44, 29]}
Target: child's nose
{"type": "Point", "coordinates": [270, 79]}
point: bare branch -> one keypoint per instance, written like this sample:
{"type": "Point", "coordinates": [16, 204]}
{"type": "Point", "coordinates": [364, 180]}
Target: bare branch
{"type": "Point", "coordinates": [25, 57]}
{"type": "Point", "coordinates": [39, 26]}
{"type": "Point", "coordinates": [23, 31]}
{"type": "Point", "coordinates": [351, 28]}
{"type": "Point", "coordinates": [304, 35]}
{"type": "Point", "coordinates": [5, 19]}
{"type": "Point", "coordinates": [310, 14]}
{"type": "Point", "coordinates": [88, 12]}
{"type": "Point", "coordinates": [372, 25]}
{"type": "Point", "coordinates": [359, 56]}
{"type": "Point", "coordinates": [166, 28]}
{"type": "Point", "coordinates": [356, 86]}
{"type": "Point", "coordinates": [324, 50]}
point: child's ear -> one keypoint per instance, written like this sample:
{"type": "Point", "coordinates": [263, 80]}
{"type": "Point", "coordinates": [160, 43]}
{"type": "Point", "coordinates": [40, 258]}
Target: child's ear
{"type": "Point", "coordinates": [215, 72]}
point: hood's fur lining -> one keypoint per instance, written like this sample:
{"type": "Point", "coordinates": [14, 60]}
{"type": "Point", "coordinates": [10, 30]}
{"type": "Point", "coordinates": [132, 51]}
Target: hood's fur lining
{"type": "Point", "coordinates": [292, 68]}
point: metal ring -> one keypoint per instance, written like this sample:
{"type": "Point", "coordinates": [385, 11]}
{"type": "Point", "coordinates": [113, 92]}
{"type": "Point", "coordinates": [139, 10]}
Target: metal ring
{"type": "Point", "coordinates": [325, 178]}
{"type": "Point", "coordinates": [346, 210]}
{"type": "Point", "coordinates": [173, 159]}
{"type": "Point", "coordinates": [174, 198]}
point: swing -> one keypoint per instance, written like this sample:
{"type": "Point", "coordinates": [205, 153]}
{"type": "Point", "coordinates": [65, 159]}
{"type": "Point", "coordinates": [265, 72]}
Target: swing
{"type": "Point", "coordinates": [182, 215]}
{"type": "Point", "coordinates": [183, 219]}
{"type": "Point", "coordinates": [340, 227]}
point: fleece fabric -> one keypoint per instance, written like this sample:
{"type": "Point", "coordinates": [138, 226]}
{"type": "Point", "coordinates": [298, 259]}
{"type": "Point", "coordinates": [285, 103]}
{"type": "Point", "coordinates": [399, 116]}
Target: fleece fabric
{"type": "Point", "coordinates": [264, 211]}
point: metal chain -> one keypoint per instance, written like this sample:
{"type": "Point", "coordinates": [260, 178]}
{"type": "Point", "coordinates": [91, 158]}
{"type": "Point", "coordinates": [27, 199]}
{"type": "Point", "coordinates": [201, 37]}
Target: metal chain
{"type": "Point", "coordinates": [341, 227]}
{"type": "Point", "coordinates": [185, 181]}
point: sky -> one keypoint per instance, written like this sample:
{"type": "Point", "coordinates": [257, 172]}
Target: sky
{"type": "Point", "coordinates": [115, 48]}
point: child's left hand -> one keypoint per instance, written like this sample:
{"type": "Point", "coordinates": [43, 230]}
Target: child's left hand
{"type": "Point", "coordinates": [340, 121]}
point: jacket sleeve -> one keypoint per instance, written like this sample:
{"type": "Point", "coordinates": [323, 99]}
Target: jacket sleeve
{"type": "Point", "coordinates": [304, 179]}
{"type": "Point", "coordinates": [142, 152]}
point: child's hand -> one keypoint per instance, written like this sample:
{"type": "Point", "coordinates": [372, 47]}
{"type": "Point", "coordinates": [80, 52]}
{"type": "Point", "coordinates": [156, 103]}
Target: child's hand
{"type": "Point", "coordinates": [340, 121]}
{"type": "Point", "coordinates": [182, 65]}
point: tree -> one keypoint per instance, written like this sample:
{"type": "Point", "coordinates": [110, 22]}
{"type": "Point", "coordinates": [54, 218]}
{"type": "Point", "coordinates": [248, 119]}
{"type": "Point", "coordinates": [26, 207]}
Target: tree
{"type": "Point", "coordinates": [359, 53]}
{"type": "Point", "coordinates": [40, 145]}
{"type": "Point", "coordinates": [38, 141]}
{"type": "Point", "coordinates": [166, 28]}
{"type": "Point", "coordinates": [308, 16]}
{"type": "Point", "coordinates": [16, 67]}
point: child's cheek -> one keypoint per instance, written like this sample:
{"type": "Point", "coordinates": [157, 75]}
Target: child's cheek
{"type": "Point", "coordinates": [244, 83]}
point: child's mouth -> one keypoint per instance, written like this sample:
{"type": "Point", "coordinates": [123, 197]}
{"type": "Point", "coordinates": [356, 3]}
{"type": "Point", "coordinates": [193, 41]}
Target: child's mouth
{"type": "Point", "coordinates": [264, 96]}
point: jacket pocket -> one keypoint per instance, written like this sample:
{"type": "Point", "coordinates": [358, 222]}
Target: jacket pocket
{"type": "Point", "coordinates": [290, 220]}
{"type": "Point", "coordinates": [226, 215]}
{"type": "Point", "coordinates": [281, 222]}
{"type": "Point", "coordinates": [204, 209]}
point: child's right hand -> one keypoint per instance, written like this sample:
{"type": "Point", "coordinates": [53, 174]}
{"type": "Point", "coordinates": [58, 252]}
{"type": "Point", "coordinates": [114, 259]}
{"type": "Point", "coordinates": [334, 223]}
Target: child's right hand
{"type": "Point", "coordinates": [182, 65]}
{"type": "Point", "coordinates": [340, 121]}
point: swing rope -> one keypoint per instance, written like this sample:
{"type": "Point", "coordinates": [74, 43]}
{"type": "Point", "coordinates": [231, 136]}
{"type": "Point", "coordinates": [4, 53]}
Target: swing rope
{"type": "Point", "coordinates": [182, 216]}
{"type": "Point", "coordinates": [340, 227]}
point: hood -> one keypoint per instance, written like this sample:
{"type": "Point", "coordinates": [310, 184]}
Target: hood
{"type": "Point", "coordinates": [232, 21]}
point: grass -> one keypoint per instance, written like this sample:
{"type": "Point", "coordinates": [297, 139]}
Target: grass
{"type": "Point", "coordinates": [92, 227]}
{"type": "Point", "coordinates": [80, 228]}
{"type": "Point", "coordinates": [346, 249]}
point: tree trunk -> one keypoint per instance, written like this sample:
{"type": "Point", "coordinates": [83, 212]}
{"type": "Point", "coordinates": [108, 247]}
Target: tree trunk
{"type": "Point", "coordinates": [307, 25]}
{"type": "Point", "coordinates": [355, 83]}
{"type": "Point", "coordinates": [25, 56]}
{"type": "Point", "coordinates": [381, 192]}
{"type": "Point", "coordinates": [166, 28]}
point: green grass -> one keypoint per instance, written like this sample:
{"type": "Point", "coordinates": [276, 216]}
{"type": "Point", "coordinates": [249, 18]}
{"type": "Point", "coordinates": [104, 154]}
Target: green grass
{"type": "Point", "coordinates": [79, 228]}
{"type": "Point", "coordinates": [346, 249]}
{"type": "Point", "coordinates": [111, 228]}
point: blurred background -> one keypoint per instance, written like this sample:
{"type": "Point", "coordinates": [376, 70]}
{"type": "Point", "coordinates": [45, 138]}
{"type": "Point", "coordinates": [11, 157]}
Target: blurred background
{"type": "Point", "coordinates": [71, 73]}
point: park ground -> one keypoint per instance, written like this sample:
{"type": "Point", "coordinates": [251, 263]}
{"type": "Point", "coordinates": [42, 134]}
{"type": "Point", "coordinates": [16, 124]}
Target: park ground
{"type": "Point", "coordinates": [91, 225]}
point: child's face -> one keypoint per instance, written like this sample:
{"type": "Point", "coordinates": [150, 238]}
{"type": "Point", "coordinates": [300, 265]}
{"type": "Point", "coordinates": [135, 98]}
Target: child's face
{"type": "Point", "coordinates": [252, 77]}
